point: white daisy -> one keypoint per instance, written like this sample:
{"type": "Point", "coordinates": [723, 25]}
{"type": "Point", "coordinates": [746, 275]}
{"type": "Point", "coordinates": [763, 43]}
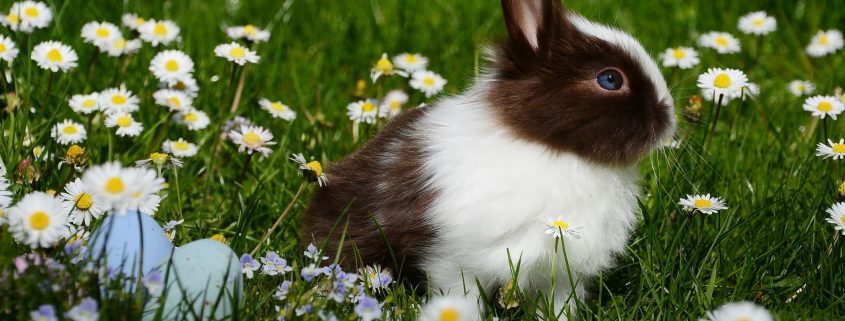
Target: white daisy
{"type": "Point", "coordinates": [186, 84]}
{"type": "Point", "coordinates": [159, 160]}
{"type": "Point", "coordinates": [681, 57]}
{"type": "Point", "coordinates": [117, 101]}
{"type": "Point", "coordinates": [170, 66]}
{"type": "Point", "coordinates": [392, 103]}
{"type": "Point", "coordinates": [193, 118]}
{"type": "Point", "coordinates": [55, 56]}
{"type": "Point", "coordinates": [384, 67]}
{"type": "Point", "coordinates": [180, 147]}
{"type": "Point", "coordinates": [450, 308]}
{"type": "Point", "coordinates": [831, 150]}
{"type": "Point", "coordinates": [801, 87]}
{"type": "Point", "coordinates": [363, 111]}
{"type": "Point", "coordinates": [757, 23]}
{"type": "Point", "coordinates": [277, 109]}
{"type": "Point", "coordinates": [143, 194]}
{"type": "Point", "coordinates": [173, 99]}
{"type": "Point", "coordinates": [38, 220]}
{"type": "Point", "coordinates": [252, 139]}
{"type": "Point", "coordinates": [558, 228]}
{"type": "Point", "coordinates": [117, 188]}
{"type": "Point", "coordinates": [126, 125]}
{"type": "Point", "coordinates": [825, 43]}
{"type": "Point", "coordinates": [81, 206]}
{"type": "Point", "coordinates": [312, 170]}
{"type": "Point", "coordinates": [428, 82]}
{"type": "Point", "coordinates": [723, 82]}
{"type": "Point", "coordinates": [132, 21]}
{"type": "Point", "coordinates": [710, 95]}
{"type": "Point", "coordinates": [249, 32]}
{"type": "Point", "coordinates": [32, 15]}
{"type": "Point", "coordinates": [739, 311]}
{"type": "Point", "coordinates": [68, 132]}
{"type": "Point", "coordinates": [98, 33]}
{"type": "Point", "coordinates": [750, 90]}
{"type": "Point", "coordinates": [5, 193]}
{"type": "Point", "coordinates": [8, 49]}
{"type": "Point", "coordinates": [158, 32]}
{"type": "Point", "coordinates": [703, 203]}
{"type": "Point", "coordinates": [822, 106]}
{"type": "Point", "coordinates": [410, 62]}
{"type": "Point", "coordinates": [723, 42]}
{"type": "Point", "coordinates": [12, 21]}
{"type": "Point", "coordinates": [120, 46]}
{"type": "Point", "coordinates": [85, 104]}
{"type": "Point", "coordinates": [236, 53]}
{"type": "Point", "coordinates": [837, 216]}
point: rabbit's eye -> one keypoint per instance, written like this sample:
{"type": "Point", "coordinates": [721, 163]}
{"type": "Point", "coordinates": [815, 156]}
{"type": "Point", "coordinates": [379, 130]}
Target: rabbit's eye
{"type": "Point", "coordinates": [610, 79]}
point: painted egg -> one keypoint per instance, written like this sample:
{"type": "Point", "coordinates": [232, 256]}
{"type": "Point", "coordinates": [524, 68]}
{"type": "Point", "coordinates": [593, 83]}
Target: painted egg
{"type": "Point", "coordinates": [203, 276]}
{"type": "Point", "coordinates": [125, 242]}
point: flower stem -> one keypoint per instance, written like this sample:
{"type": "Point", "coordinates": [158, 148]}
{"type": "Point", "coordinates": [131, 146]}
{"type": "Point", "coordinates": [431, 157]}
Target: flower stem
{"type": "Point", "coordinates": [715, 119]}
{"type": "Point", "coordinates": [237, 101]}
{"type": "Point", "coordinates": [281, 217]}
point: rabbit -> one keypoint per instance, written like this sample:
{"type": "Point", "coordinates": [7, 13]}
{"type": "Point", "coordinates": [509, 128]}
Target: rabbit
{"type": "Point", "coordinates": [460, 190]}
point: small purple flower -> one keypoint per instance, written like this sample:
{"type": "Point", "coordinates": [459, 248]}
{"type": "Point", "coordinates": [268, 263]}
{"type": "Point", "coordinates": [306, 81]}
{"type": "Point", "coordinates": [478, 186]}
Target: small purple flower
{"type": "Point", "coordinates": [45, 312]}
{"type": "Point", "coordinates": [249, 265]}
{"type": "Point", "coordinates": [315, 254]}
{"type": "Point", "coordinates": [274, 264]}
{"type": "Point", "coordinates": [303, 309]}
{"type": "Point", "coordinates": [326, 316]}
{"type": "Point", "coordinates": [368, 309]}
{"type": "Point", "coordinates": [282, 291]}
{"type": "Point", "coordinates": [310, 272]}
{"type": "Point", "coordinates": [154, 283]}
{"type": "Point", "coordinates": [87, 310]}
{"type": "Point", "coordinates": [172, 224]}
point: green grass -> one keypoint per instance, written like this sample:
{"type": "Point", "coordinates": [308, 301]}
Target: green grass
{"type": "Point", "coordinates": [772, 246]}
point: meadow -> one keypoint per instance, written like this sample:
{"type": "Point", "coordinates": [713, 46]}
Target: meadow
{"type": "Point", "coordinates": [772, 245]}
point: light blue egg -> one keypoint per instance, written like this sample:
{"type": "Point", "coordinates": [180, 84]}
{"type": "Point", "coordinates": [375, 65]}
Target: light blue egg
{"type": "Point", "coordinates": [123, 242]}
{"type": "Point", "coordinates": [203, 276]}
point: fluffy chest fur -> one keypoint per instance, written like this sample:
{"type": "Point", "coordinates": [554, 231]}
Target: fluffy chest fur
{"type": "Point", "coordinates": [496, 194]}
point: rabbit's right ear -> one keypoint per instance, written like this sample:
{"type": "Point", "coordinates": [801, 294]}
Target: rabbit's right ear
{"type": "Point", "coordinates": [532, 26]}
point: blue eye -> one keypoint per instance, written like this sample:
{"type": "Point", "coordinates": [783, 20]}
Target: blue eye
{"type": "Point", "coordinates": [610, 79]}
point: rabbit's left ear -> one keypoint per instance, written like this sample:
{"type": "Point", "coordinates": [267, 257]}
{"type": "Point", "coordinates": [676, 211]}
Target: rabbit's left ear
{"type": "Point", "coordinates": [532, 24]}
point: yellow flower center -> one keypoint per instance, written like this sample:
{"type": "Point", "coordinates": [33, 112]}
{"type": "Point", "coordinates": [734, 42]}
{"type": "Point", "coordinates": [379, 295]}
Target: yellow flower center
{"type": "Point", "coordinates": [69, 130]}
{"type": "Point", "coordinates": [13, 19]}
{"type": "Point", "coordinates": [75, 151]}
{"type": "Point", "coordinates": [124, 121]}
{"type": "Point", "coordinates": [823, 40]}
{"type": "Point", "coordinates": [744, 319]}
{"type": "Point", "coordinates": [758, 22]}
{"type": "Point", "coordinates": [250, 30]}
{"type": "Point", "coordinates": [842, 218]}
{"type": "Point", "coordinates": [160, 29]}
{"type": "Point", "coordinates": [31, 11]}
{"type": "Point", "coordinates": [722, 81]}
{"type": "Point", "coordinates": [412, 58]}
{"type": "Point", "coordinates": [839, 148]}
{"type": "Point", "coordinates": [678, 53]}
{"type": "Point", "coordinates": [395, 105]}
{"type": "Point", "coordinates": [39, 220]}
{"type": "Point", "coordinates": [428, 81]}
{"type": "Point", "coordinates": [219, 238]}
{"type": "Point", "coordinates": [368, 107]}
{"type": "Point", "coordinates": [115, 185]}
{"type": "Point", "coordinates": [560, 224]}
{"type": "Point", "coordinates": [158, 158]}
{"type": "Point", "coordinates": [384, 65]}
{"type": "Point", "coordinates": [37, 151]}
{"type": "Point", "coordinates": [139, 21]}
{"type": "Point", "coordinates": [702, 203]}
{"type": "Point", "coordinates": [277, 106]}
{"type": "Point", "coordinates": [102, 32]}
{"type": "Point", "coordinates": [252, 139]}
{"type": "Point", "coordinates": [316, 167]}
{"type": "Point", "coordinates": [825, 106]}
{"type": "Point", "coordinates": [721, 41]}
{"type": "Point", "coordinates": [802, 88]}
{"type": "Point", "coordinates": [171, 65]}
{"type": "Point", "coordinates": [51, 192]}
{"type": "Point", "coordinates": [120, 44]}
{"type": "Point", "coordinates": [181, 145]}
{"type": "Point", "coordinates": [54, 55]}
{"type": "Point", "coordinates": [449, 314]}
{"type": "Point", "coordinates": [2, 48]}
{"type": "Point", "coordinates": [237, 52]}
{"type": "Point", "coordinates": [191, 117]}
{"type": "Point", "coordinates": [88, 103]}
{"type": "Point", "coordinates": [84, 201]}
{"type": "Point", "coordinates": [175, 102]}
{"type": "Point", "coordinates": [118, 99]}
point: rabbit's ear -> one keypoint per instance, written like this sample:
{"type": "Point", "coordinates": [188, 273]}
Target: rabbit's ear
{"type": "Point", "coordinates": [532, 25]}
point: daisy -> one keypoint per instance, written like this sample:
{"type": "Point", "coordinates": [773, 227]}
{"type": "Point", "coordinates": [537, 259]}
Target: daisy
{"type": "Point", "coordinates": [55, 56]}
{"type": "Point", "coordinates": [252, 139]}
{"type": "Point", "coordinates": [681, 57]}
{"type": "Point", "coordinates": [801, 87]}
{"type": "Point", "coordinates": [158, 32]}
{"type": "Point", "coordinates": [557, 227]}
{"type": "Point", "coordinates": [117, 101]}
{"type": "Point", "coordinates": [32, 15]}
{"type": "Point", "coordinates": [745, 311]}
{"type": "Point", "coordinates": [384, 67]}
{"type": "Point", "coordinates": [193, 118]}
{"type": "Point", "coordinates": [173, 99]}
{"type": "Point", "coordinates": [277, 109]}
{"type": "Point", "coordinates": [186, 84]}
{"type": "Point", "coordinates": [822, 106]}
{"type": "Point", "coordinates": [171, 65]}
{"type": "Point", "coordinates": [120, 46]}
{"type": "Point", "coordinates": [117, 188]}
{"type": "Point", "coordinates": [68, 132]}
{"type": "Point", "coordinates": [703, 203]}
{"type": "Point", "coordinates": [159, 160]}
{"type": "Point", "coordinates": [143, 193]}
{"type": "Point", "coordinates": [428, 82]}
{"type": "Point", "coordinates": [363, 111]}
{"type": "Point", "coordinates": [126, 125]}
{"type": "Point", "coordinates": [750, 90]}
{"type": "Point", "coordinates": [179, 148]}
{"type": "Point", "coordinates": [249, 32]}
{"type": "Point", "coordinates": [757, 23]}
{"type": "Point", "coordinates": [99, 33]}
{"type": "Point", "coordinates": [723, 42]}
{"type": "Point", "coordinates": [81, 206]}
{"type": "Point", "coordinates": [236, 53]}
{"type": "Point", "coordinates": [8, 49]}
{"type": "Point", "coordinates": [825, 43]}
{"type": "Point", "coordinates": [392, 103]}
{"type": "Point", "coordinates": [85, 104]}
{"type": "Point", "coordinates": [12, 21]}
{"type": "Point", "coordinates": [410, 62]}
{"type": "Point", "coordinates": [834, 150]}
{"type": "Point", "coordinates": [313, 170]}
{"type": "Point", "coordinates": [132, 21]}
{"type": "Point", "coordinates": [452, 308]}
{"type": "Point", "coordinates": [837, 216]}
{"type": "Point", "coordinates": [722, 82]}
{"type": "Point", "coordinates": [38, 220]}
